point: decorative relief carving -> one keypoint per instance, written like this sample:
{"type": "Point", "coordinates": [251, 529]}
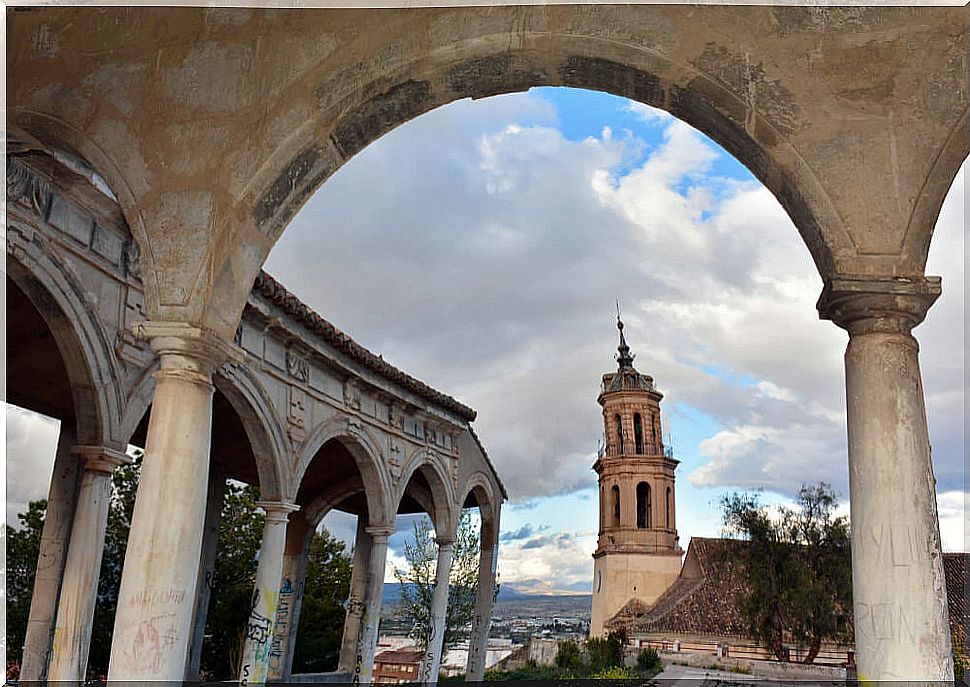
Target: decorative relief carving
{"type": "Point", "coordinates": [394, 453]}
{"type": "Point", "coordinates": [26, 188]}
{"type": "Point", "coordinates": [453, 465]}
{"type": "Point", "coordinates": [132, 259]}
{"type": "Point", "coordinates": [395, 418]}
{"type": "Point", "coordinates": [297, 366]}
{"type": "Point", "coordinates": [351, 395]}
{"type": "Point", "coordinates": [296, 415]}
{"type": "Point", "coordinates": [430, 433]}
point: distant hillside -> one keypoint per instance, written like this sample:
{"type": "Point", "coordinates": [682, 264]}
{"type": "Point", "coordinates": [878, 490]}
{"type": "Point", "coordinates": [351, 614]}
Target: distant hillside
{"type": "Point", "coordinates": [516, 599]}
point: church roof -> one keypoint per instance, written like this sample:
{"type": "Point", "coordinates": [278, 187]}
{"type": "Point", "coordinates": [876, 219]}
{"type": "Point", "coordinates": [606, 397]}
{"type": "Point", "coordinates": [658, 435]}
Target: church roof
{"type": "Point", "coordinates": [705, 599]}
{"type": "Point", "coordinates": [702, 600]}
{"type": "Point", "coordinates": [301, 312]}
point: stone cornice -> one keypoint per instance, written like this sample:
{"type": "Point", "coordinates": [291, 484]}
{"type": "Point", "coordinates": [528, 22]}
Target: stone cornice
{"type": "Point", "coordinates": [863, 305]}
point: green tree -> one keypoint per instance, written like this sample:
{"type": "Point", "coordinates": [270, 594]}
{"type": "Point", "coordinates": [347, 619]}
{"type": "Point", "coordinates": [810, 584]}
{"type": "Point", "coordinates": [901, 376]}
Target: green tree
{"type": "Point", "coordinates": [417, 581]}
{"type": "Point", "coordinates": [323, 611]}
{"type": "Point", "coordinates": [23, 547]}
{"type": "Point", "coordinates": [797, 567]}
{"type": "Point", "coordinates": [233, 580]}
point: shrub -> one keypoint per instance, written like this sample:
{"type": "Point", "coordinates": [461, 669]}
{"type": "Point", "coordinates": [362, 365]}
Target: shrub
{"type": "Point", "coordinates": [649, 660]}
{"type": "Point", "coordinates": [614, 673]}
{"type": "Point", "coordinates": [569, 656]}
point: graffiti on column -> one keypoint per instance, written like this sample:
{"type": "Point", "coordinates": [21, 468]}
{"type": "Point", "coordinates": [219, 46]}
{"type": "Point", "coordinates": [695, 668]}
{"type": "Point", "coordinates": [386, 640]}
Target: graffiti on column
{"type": "Point", "coordinates": [258, 631]}
{"type": "Point", "coordinates": [427, 665]}
{"type": "Point", "coordinates": [281, 626]}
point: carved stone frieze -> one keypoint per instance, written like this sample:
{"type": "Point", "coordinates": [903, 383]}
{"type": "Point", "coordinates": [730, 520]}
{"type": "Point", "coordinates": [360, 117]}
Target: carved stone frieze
{"type": "Point", "coordinates": [297, 366]}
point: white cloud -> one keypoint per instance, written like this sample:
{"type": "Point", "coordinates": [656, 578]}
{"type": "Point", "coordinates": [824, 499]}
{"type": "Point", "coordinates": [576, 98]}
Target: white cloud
{"type": "Point", "coordinates": [31, 444]}
{"type": "Point", "coordinates": [492, 264]}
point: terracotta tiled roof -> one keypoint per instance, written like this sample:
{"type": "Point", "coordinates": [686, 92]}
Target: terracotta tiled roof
{"type": "Point", "coordinates": [955, 567]}
{"type": "Point", "coordinates": [706, 596]}
{"type": "Point", "coordinates": [271, 289]}
{"type": "Point", "coordinates": [399, 656]}
{"type": "Point", "coordinates": [703, 599]}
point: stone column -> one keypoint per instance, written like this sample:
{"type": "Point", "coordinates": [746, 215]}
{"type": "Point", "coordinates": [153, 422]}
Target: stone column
{"type": "Point", "coordinates": [439, 612]}
{"type": "Point", "coordinates": [61, 500]}
{"type": "Point", "coordinates": [259, 632]}
{"type": "Point", "coordinates": [370, 623]}
{"type": "Point", "coordinates": [207, 566]}
{"type": "Point", "coordinates": [79, 589]}
{"type": "Point", "coordinates": [355, 599]}
{"type": "Point", "coordinates": [899, 600]}
{"type": "Point", "coordinates": [156, 601]}
{"type": "Point", "coordinates": [299, 533]}
{"type": "Point", "coordinates": [478, 640]}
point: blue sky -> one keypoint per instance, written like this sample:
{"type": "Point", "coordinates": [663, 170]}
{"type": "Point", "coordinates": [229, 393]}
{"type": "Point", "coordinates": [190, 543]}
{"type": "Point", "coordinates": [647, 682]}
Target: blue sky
{"type": "Point", "coordinates": [499, 233]}
{"type": "Point", "coordinates": [481, 247]}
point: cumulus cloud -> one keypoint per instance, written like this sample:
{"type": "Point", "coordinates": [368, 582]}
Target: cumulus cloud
{"type": "Point", "coordinates": [553, 562]}
{"type": "Point", "coordinates": [31, 444]}
{"type": "Point", "coordinates": [479, 249]}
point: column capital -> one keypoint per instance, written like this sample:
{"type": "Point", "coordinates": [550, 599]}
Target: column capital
{"type": "Point", "coordinates": [382, 531]}
{"type": "Point", "coordinates": [862, 305]}
{"type": "Point", "coordinates": [444, 541]}
{"type": "Point", "coordinates": [101, 458]}
{"type": "Point", "coordinates": [278, 510]}
{"type": "Point", "coordinates": [187, 350]}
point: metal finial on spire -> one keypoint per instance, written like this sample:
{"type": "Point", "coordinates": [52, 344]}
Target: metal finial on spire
{"type": "Point", "coordinates": [625, 358]}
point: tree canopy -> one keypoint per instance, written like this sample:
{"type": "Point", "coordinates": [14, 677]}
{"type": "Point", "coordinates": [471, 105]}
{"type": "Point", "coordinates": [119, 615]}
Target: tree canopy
{"type": "Point", "coordinates": [798, 569]}
{"type": "Point", "coordinates": [417, 581]}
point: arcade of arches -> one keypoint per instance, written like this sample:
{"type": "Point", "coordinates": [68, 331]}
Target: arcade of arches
{"type": "Point", "coordinates": [212, 126]}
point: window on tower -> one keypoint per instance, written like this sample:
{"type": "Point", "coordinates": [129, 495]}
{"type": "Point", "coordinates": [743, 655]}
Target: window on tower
{"type": "Point", "coordinates": [638, 432]}
{"type": "Point", "coordinates": [616, 505]}
{"type": "Point", "coordinates": [643, 505]}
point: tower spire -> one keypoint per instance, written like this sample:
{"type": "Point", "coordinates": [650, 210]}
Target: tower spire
{"type": "Point", "coordinates": [625, 358]}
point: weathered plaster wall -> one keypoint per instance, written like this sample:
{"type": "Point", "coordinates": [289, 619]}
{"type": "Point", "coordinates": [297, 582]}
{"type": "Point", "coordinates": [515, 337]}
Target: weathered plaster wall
{"type": "Point", "coordinates": [214, 125]}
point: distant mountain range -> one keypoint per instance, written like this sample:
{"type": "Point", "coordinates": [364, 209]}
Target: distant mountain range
{"type": "Point", "coordinates": [510, 591]}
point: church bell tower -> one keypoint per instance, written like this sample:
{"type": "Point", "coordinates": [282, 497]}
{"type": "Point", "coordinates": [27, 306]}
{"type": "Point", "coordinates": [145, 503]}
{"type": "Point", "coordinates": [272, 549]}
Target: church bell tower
{"type": "Point", "coordinates": [637, 555]}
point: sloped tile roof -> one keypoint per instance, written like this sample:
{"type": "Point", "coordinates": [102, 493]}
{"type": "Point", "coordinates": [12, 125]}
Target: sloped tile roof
{"type": "Point", "coordinates": [278, 294]}
{"type": "Point", "coordinates": [705, 598]}
{"type": "Point", "coordinates": [955, 570]}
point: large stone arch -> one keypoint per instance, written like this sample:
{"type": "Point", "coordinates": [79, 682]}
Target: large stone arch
{"type": "Point", "coordinates": [483, 488]}
{"type": "Point", "coordinates": [272, 102]}
{"type": "Point", "coordinates": [368, 457]}
{"type": "Point", "coordinates": [486, 65]}
{"type": "Point", "coordinates": [81, 338]}
{"type": "Point", "coordinates": [427, 464]}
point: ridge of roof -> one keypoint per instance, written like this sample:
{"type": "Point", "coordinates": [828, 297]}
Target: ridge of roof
{"type": "Point", "coordinates": [273, 290]}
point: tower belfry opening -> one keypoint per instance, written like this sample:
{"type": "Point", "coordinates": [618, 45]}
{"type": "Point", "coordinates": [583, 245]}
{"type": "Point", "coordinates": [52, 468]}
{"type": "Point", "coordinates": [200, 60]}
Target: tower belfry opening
{"type": "Point", "coordinates": [638, 553]}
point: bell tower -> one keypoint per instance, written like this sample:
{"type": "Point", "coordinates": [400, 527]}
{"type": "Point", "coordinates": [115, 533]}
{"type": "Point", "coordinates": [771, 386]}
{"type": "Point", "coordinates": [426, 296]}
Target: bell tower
{"type": "Point", "coordinates": [637, 554]}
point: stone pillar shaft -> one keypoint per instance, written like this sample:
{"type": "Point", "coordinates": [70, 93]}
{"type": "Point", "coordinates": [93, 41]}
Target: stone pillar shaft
{"type": "Point", "coordinates": [259, 632]}
{"type": "Point", "coordinates": [356, 597]}
{"type": "Point", "coordinates": [61, 500]}
{"type": "Point", "coordinates": [79, 589]}
{"type": "Point", "coordinates": [299, 534]}
{"type": "Point", "coordinates": [207, 564]}
{"type": "Point", "coordinates": [439, 613]}
{"type": "Point", "coordinates": [370, 623]}
{"type": "Point", "coordinates": [478, 640]}
{"type": "Point", "coordinates": [156, 601]}
{"type": "Point", "coordinates": [899, 599]}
